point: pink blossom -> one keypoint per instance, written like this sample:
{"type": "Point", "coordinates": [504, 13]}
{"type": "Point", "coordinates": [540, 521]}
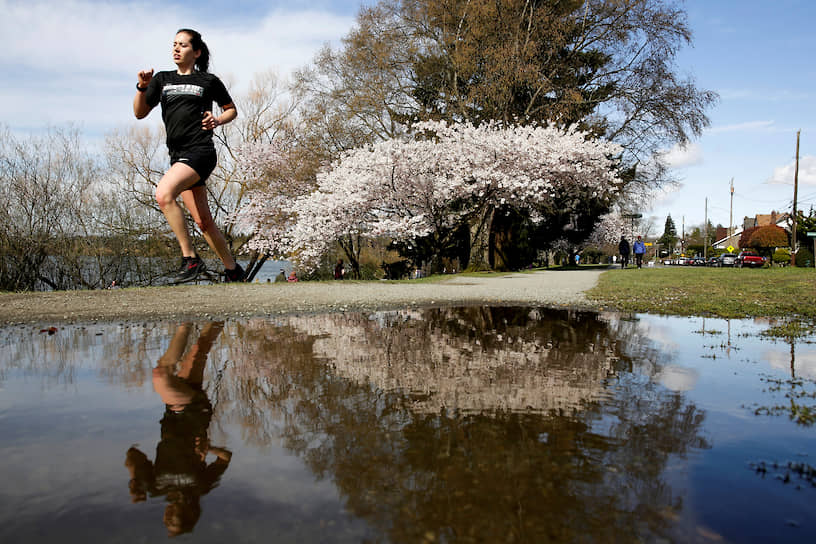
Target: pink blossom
{"type": "Point", "coordinates": [434, 177]}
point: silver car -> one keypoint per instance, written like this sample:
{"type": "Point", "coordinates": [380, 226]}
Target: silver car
{"type": "Point", "coordinates": [728, 259]}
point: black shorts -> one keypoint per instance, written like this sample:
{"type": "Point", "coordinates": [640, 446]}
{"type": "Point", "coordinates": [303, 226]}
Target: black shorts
{"type": "Point", "coordinates": [202, 160]}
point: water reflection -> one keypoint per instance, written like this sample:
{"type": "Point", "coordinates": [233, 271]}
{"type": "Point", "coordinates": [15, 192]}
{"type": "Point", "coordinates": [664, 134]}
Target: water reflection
{"type": "Point", "coordinates": [482, 424]}
{"type": "Point", "coordinates": [180, 472]}
{"type": "Point", "coordinates": [449, 425]}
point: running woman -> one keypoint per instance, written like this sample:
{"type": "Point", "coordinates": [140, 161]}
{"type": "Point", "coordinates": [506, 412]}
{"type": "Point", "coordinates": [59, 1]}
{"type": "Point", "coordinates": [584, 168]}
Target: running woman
{"type": "Point", "coordinates": [186, 95]}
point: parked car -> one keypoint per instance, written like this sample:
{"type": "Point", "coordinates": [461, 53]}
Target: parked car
{"type": "Point", "coordinates": [713, 261]}
{"type": "Point", "coordinates": [728, 259]}
{"type": "Point", "coordinates": [697, 261]}
{"type": "Point", "coordinates": [749, 258]}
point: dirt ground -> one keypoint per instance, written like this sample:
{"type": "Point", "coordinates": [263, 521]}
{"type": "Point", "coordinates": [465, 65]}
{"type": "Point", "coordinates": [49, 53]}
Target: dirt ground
{"type": "Point", "coordinates": [544, 288]}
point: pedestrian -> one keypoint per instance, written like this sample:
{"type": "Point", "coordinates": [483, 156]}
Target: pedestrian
{"type": "Point", "coordinates": [623, 249]}
{"type": "Point", "coordinates": [639, 249]}
{"type": "Point", "coordinates": [339, 271]}
{"type": "Point", "coordinates": [186, 95]}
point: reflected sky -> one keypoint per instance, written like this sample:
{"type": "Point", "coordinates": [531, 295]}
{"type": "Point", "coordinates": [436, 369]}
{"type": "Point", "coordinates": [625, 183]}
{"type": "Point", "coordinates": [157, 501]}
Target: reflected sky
{"type": "Point", "coordinates": [472, 424]}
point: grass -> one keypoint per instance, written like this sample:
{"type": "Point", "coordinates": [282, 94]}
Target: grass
{"type": "Point", "coordinates": [720, 292]}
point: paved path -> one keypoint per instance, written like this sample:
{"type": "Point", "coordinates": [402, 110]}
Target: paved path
{"type": "Point", "coordinates": [545, 288]}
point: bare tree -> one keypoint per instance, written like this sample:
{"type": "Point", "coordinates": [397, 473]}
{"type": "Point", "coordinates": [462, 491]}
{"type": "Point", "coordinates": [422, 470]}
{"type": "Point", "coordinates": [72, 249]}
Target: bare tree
{"type": "Point", "coordinates": [62, 226]}
{"type": "Point", "coordinates": [41, 180]}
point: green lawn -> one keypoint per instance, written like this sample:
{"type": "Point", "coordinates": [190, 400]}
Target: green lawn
{"type": "Point", "coordinates": [722, 292]}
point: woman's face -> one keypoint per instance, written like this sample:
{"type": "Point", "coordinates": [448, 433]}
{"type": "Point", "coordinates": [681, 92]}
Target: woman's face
{"type": "Point", "coordinates": [183, 53]}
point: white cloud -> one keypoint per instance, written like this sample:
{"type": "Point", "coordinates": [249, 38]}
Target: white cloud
{"type": "Point", "coordinates": [77, 60]}
{"type": "Point", "coordinates": [681, 156]}
{"type": "Point", "coordinates": [766, 95]}
{"type": "Point", "coordinates": [749, 126]}
{"type": "Point", "coordinates": [805, 361]}
{"type": "Point", "coordinates": [677, 378]}
{"type": "Point", "coordinates": [807, 172]}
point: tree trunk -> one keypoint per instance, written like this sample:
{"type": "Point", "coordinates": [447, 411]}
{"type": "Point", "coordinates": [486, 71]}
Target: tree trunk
{"type": "Point", "coordinates": [480, 240]}
{"type": "Point", "coordinates": [255, 264]}
{"type": "Point", "coordinates": [352, 251]}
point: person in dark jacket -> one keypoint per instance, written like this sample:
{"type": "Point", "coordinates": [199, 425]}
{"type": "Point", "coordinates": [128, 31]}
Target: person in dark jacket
{"type": "Point", "coordinates": [623, 249]}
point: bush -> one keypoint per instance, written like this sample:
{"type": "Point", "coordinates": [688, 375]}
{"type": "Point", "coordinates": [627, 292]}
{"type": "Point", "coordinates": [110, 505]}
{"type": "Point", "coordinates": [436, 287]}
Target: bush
{"type": "Point", "coordinates": [768, 236]}
{"type": "Point", "coordinates": [781, 256]}
{"type": "Point", "coordinates": [371, 271]}
{"type": "Point", "coordinates": [592, 255]}
{"type": "Point", "coordinates": [804, 257]}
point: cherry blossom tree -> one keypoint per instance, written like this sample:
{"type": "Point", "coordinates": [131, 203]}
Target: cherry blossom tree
{"type": "Point", "coordinates": [266, 214]}
{"type": "Point", "coordinates": [608, 230]}
{"type": "Point", "coordinates": [429, 182]}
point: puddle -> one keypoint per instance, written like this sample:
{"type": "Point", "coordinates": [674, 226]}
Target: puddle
{"type": "Point", "coordinates": [442, 425]}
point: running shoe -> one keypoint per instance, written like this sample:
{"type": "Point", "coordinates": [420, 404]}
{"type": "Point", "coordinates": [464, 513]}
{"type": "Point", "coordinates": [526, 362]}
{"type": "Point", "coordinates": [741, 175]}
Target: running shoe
{"type": "Point", "coordinates": [236, 274]}
{"type": "Point", "coordinates": [191, 267]}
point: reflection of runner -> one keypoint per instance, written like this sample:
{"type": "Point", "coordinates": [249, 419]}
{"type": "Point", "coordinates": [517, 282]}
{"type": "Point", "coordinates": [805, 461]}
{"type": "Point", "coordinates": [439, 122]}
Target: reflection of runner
{"type": "Point", "coordinates": [180, 472]}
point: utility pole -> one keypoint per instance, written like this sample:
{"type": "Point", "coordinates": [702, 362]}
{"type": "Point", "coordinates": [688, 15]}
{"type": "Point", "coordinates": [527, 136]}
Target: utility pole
{"type": "Point", "coordinates": [705, 232]}
{"type": "Point", "coordinates": [731, 213]}
{"type": "Point", "coordinates": [795, 191]}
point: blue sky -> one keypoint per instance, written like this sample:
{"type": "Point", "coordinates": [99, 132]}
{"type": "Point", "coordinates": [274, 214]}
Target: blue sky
{"type": "Point", "coordinates": [75, 61]}
{"type": "Point", "coordinates": [758, 55]}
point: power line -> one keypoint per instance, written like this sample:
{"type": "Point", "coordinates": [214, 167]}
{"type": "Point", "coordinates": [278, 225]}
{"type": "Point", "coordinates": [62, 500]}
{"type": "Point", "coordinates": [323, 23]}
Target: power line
{"type": "Point", "coordinates": [763, 200]}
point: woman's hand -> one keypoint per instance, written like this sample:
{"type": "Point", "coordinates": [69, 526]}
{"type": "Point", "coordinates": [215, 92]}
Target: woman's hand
{"type": "Point", "coordinates": [140, 107]}
{"type": "Point", "coordinates": [144, 77]}
{"type": "Point", "coordinates": [210, 122]}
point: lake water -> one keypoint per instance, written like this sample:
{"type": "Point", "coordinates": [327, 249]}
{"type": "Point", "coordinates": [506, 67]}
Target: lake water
{"type": "Point", "coordinates": [438, 425]}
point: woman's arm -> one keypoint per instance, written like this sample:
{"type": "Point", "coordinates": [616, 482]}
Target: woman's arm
{"type": "Point", "coordinates": [211, 122]}
{"type": "Point", "coordinates": [140, 106]}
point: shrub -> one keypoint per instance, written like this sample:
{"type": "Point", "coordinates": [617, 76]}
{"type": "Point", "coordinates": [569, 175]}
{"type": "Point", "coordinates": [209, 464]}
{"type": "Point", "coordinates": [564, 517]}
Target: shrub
{"type": "Point", "coordinates": [804, 257]}
{"type": "Point", "coordinates": [592, 255]}
{"type": "Point", "coordinates": [781, 256]}
{"type": "Point", "coordinates": [766, 238]}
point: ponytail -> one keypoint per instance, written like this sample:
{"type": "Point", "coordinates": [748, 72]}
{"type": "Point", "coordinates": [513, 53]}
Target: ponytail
{"type": "Point", "coordinates": [202, 63]}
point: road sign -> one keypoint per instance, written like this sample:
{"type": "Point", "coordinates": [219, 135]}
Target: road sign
{"type": "Point", "coordinates": [730, 249]}
{"type": "Point", "coordinates": [811, 234]}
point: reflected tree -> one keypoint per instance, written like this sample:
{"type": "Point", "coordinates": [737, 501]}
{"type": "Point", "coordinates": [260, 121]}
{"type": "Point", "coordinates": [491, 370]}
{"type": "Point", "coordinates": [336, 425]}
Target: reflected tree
{"type": "Point", "coordinates": [356, 410]}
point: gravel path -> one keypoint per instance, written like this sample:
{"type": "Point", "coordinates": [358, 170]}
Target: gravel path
{"type": "Point", "coordinates": [542, 288]}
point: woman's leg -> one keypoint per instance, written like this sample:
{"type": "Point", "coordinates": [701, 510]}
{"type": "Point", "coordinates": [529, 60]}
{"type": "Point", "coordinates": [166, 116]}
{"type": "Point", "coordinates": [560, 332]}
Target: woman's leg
{"type": "Point", "coordinates": [175, 350]}
{"type": "Point", "coordinates": [193, 364]}
{"type": "Point", "coordinates": [175, 181]}
{"type": "Point", "coordinates": [195, 199]}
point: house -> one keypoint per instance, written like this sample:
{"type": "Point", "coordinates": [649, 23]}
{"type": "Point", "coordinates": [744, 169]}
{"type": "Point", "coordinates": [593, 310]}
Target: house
{"type": "Point", "coordinates": [760, 220]}
{"type": "Point", "coordinates": [763, 220]}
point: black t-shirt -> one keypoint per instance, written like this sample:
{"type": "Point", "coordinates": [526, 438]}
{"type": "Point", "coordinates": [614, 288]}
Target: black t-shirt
{"type": "Point", "coordinates": [184, 99]}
